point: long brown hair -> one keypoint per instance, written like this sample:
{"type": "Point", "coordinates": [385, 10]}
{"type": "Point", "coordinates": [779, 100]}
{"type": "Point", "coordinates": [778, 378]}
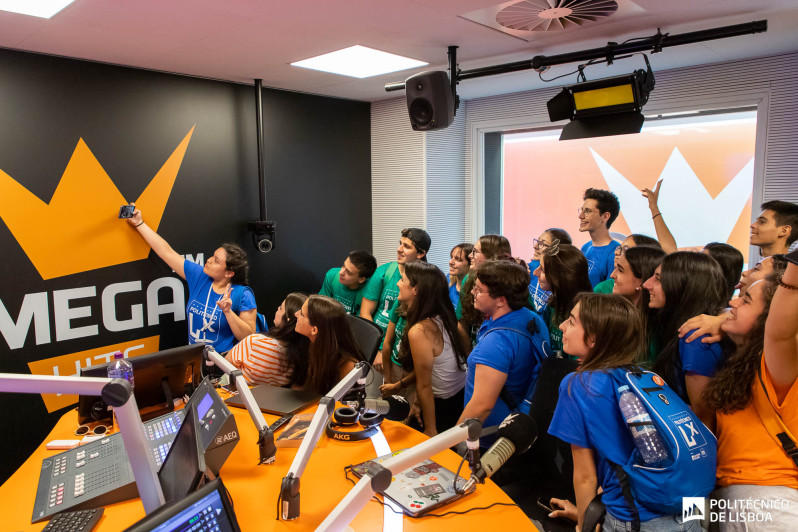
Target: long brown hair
{"type": "Point", "coordinates": [432, 300]}
{"type": "Point", "coordinates": [334, 344]}
{"type": "Point", "coordinates": [567, 274]}
{"type": "Point", "coordinates": [615, 326]}
{"type": "Point", "coordinates": [732, 387]}
{"type": "Point", "coordinates": [296, 344]}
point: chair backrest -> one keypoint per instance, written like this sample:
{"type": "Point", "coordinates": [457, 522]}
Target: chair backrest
{"type": "Point", "coordinates": [367, 335]}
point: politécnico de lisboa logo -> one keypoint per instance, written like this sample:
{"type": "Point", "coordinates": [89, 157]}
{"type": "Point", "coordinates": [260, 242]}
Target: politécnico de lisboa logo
{"type": "Point", "coordinates": [693, 508]}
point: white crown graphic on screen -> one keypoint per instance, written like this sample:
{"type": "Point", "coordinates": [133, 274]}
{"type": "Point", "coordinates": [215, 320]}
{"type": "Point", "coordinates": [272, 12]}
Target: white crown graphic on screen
{"type": "Point", "coordinates": [694, 217]}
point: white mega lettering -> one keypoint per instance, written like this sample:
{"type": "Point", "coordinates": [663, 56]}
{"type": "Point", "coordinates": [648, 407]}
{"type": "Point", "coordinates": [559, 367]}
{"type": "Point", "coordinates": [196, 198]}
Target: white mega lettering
{"type": "Point", "coordinates": [35, 310]}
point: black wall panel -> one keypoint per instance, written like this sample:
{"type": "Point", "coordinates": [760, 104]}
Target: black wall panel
{"type": "Point", "coordinates": [318, 175]}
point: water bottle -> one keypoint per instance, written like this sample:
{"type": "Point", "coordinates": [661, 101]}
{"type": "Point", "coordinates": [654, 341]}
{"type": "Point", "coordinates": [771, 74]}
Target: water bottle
{"type": "Point", "coordinates": [120, 369]}
{"type": "Point", "coordinates": [646, 436]}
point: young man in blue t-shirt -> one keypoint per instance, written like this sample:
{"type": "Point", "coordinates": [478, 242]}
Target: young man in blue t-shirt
{"type": "Point", "coordinates": [345, 283]}
{"type": "Point", "coordinates": [505, 356]}
{"type": "Point", "coordinates": [599, 210]}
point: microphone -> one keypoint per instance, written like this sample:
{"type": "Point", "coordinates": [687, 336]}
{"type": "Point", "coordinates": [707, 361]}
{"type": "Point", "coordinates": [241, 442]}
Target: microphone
{"type": "Point", "coordinates": [516, 435]}
{"type": "Point", "coordinates": [393, 407]}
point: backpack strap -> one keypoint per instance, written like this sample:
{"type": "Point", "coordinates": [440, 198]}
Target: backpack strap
{"type": "Point", "coordinates": [772, 421]}
{"type": "Point", "coordinates": [626, 489]}
{"type": "Point", "coordinates": [389, 271]}
{"type": "Point", "coordinates": [532, 329]}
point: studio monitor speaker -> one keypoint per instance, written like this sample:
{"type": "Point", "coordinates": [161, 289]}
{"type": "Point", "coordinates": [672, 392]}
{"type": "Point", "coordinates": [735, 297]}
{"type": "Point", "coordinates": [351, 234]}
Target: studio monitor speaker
{"type": "Point", "coordinates": [430, 101]}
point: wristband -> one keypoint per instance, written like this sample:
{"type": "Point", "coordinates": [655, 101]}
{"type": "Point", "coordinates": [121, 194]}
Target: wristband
{"type": "Point", "coordinates": [658, 214]}
{"type": "Point", "coordinates": [142, 223]}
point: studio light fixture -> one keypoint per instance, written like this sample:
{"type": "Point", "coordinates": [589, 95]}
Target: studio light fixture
{"type": "Point", "coordinates": [590, 103]}
{"type": "Point", "coordinates": [604, 107]}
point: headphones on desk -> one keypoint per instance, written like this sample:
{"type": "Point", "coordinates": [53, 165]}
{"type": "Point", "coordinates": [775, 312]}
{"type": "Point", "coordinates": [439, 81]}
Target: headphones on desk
{"type": "Point", "coordinates": [346, 416]}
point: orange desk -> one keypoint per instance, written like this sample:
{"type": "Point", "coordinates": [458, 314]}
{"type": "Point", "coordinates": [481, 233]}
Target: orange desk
{"type": "Point", "coordinates": [254, 488]}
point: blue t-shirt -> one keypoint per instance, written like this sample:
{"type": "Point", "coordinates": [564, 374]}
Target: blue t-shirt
{"type": "Point", "coordinates": [600, 261]}
{"type": "Point", "coordinates": [588, 415]}
{"type": "Point", "coordinates": [347, 297]}
{"type": "Point", "coordinates": [206, 321]}
{"type": "Point", "coordinates": [510, 353]}
{"type": "Point", "coordinates": [540, 297]}
{"type": "Point", "coordinates": [454, 293]}
{"type": "Point", "coordinates": [696, 357]}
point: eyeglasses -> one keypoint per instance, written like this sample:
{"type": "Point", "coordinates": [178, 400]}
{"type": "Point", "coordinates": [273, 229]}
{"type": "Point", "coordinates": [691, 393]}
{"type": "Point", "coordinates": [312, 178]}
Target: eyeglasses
{"type": "Point", "coordinates": [620, 250]}
{"type": "Point", "coordinates": [476, 290]}
{"type": "Point", "coordinates": [98, 430]}
{"type": "Point", "coordinates": [587, 212]}
{"type": "Point", "coordinates": [553, 248]}
{"type": "Point", "coordinates": [542, 244]}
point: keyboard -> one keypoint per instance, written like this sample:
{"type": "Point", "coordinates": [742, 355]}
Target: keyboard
{"type": "Point", "coordinates": [160, 428]}
{"type": "Point", "coordinates": [77, 521]}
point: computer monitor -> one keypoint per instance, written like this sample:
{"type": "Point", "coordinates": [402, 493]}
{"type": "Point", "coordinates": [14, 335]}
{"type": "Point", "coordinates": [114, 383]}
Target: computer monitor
{"type": "Point", "coordinates": [159, 378]}
{"type": "Point", "coordinates": [205, 509]}
{"type": "Point", "coordinates": [184, 467]}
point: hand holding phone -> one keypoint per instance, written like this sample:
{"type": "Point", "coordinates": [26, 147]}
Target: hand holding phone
{"type": "Point", "coordinates": [126, 211]}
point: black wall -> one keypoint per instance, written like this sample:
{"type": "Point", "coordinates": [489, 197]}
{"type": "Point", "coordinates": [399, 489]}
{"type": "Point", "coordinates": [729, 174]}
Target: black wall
{"type": "Point", "coordinates": [317, 159]}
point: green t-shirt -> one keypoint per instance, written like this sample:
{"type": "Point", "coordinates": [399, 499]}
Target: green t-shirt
{"type": "Point", "coordinates": [554, 329]}
{"type": "Point", "coordinates": [399, 330]}
{"type": "Point", "coordinates": [333, 288]}
{"type": "Point", "coordinates": [383, 292]}
{"type": "Point", "coordinates": [604, 287]}
{"type": "Point", "coordinates": [458, 310]}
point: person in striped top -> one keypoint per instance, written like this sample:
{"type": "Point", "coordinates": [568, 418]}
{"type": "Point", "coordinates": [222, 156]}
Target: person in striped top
{"type": "Point", "coordinates": [280, 357]}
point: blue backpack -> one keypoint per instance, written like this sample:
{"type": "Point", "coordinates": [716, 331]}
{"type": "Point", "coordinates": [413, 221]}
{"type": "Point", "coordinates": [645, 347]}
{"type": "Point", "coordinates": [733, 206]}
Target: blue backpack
{"type": "Point", "coordinates": [691, 446]}
{"type": "Point", "coordinates": [260, 320]}
{"type": "Point", "coordinates": [540, 341]}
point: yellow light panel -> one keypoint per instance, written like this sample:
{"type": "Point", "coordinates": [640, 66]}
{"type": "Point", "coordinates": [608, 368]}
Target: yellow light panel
{"type": "Point", "coordinates": [606, 97]}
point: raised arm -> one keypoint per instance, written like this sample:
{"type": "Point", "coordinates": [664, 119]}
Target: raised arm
{"type": "Point", "coordinates": [160, 246]}
{"type": "Point", "coordinates": [664, 235]}
{"type": "Point", "coordinates": [781, 329]}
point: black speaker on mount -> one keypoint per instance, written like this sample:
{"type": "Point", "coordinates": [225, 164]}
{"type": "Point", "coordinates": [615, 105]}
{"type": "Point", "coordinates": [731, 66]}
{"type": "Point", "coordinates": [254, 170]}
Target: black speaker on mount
{"type": "Point", "coordinates": [430, 101]}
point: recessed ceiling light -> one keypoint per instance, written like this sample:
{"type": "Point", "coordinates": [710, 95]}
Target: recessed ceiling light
{"type": "Point", "coordinates": [34, 8]}
{"type": "Point", "coordinates": [359, 62]}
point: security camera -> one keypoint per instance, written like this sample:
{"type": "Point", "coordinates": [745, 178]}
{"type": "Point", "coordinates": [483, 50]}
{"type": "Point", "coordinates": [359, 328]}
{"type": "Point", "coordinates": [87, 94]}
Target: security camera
{"type": "Point", "coordinates": [265, 245]}
{"type": "Point", "coordinates": [263, 234]}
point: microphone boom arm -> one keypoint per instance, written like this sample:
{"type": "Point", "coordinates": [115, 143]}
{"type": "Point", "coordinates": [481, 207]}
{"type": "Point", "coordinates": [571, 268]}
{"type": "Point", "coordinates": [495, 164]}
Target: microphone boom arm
{"type": "Point", "coordinates": [266, 448]}
{"type": "Point", "coordinates": [289, 490]}
{"type": "Point", "coordinates": [378, 476]}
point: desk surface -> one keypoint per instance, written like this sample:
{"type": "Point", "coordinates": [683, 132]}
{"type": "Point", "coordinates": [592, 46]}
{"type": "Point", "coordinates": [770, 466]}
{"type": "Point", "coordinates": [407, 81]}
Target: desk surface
{"type": "Point", "coordinates": [254, 488]}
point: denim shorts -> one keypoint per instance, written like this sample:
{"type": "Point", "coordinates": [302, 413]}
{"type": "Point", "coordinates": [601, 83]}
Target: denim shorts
{"type": "Point", "coordinates": [670, 523]}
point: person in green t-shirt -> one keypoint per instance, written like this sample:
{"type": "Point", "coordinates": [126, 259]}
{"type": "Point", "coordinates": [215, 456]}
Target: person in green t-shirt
{"type": "Point", "coordinates": [345, 283]}
{"type": "Point", "coordinates": [381, 291]}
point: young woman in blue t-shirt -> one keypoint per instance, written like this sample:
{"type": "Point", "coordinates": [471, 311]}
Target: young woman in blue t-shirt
{"type": "Point", "coordinates": [221, 309]}
{"type": "Point", "coordinates": [604, 332]}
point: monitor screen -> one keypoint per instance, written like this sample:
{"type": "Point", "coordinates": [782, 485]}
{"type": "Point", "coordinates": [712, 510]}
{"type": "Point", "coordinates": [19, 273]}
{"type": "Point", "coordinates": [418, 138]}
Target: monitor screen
{"type": "Point", "coordinates": [159, 377]}
{"type": "Point", "coordinates": [208, 508]}
{"type": "Point", "coordinates": [184, 466]}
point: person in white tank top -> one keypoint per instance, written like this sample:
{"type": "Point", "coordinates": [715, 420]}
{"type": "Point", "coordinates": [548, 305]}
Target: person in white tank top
{"type": "Point", "coordinates": [428, 347]}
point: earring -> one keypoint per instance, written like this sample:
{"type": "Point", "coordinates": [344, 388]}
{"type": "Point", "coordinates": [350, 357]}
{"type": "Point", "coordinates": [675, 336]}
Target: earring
{"type": "Point", "coordinates": [637, 288]}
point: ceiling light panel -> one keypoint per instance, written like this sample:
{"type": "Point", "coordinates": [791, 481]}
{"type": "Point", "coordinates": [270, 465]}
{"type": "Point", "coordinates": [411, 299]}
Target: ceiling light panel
{"type": "Point", "coordinates": [34, 8]}
{"type": "Point", "coordinates": [359, 62]}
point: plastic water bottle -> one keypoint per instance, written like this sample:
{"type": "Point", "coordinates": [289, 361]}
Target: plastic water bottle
{"type": "Point", "coordinates": [646, 436]}
{"type": "Point", "coordinates": [120, 369]}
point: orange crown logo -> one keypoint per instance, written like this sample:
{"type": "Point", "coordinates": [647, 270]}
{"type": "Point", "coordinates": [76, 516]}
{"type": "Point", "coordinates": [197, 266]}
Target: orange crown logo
{"type": "Point", "coordinates": [78, 230]}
